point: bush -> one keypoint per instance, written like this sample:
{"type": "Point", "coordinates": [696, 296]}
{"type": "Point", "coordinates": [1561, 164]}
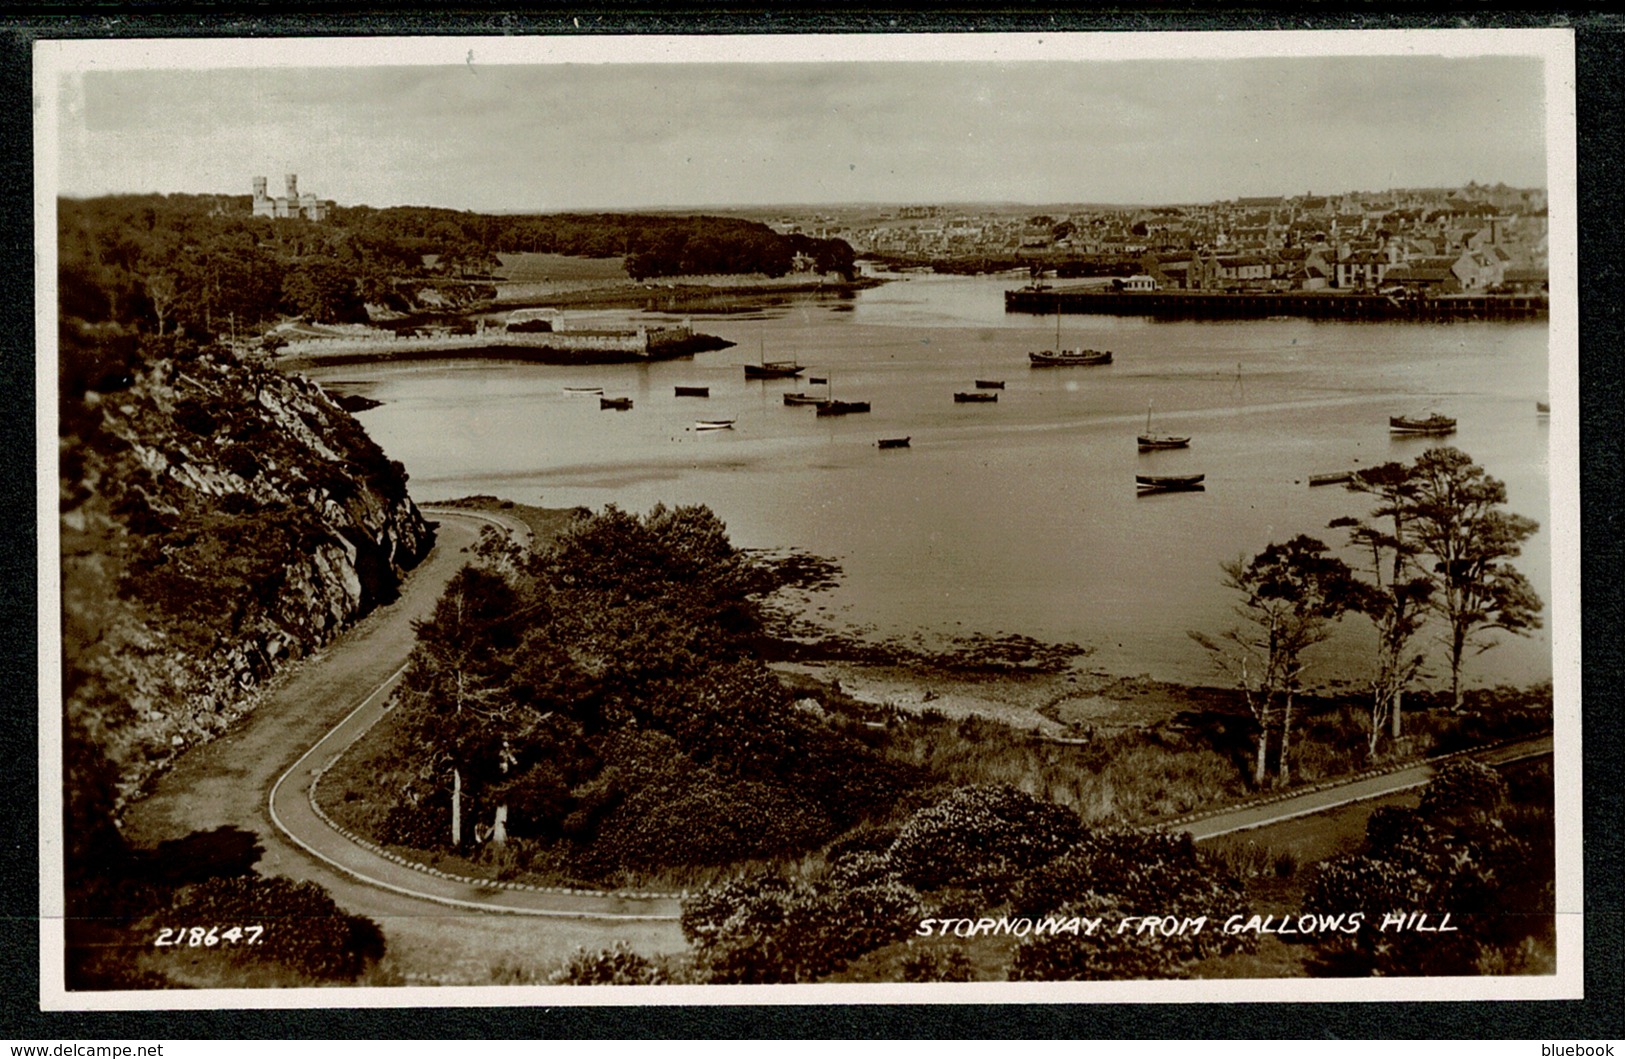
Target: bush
{"type": "Point", "coordinates": [1463, 790]}
{"type": "Point", "coordinates": [767, 928]}
{"type": "Point", "coordinates": [305, 931]}
{"type": "Point", "coordinates": [617, 965]}
{"type": "Point", "coordinates": [981, 833]}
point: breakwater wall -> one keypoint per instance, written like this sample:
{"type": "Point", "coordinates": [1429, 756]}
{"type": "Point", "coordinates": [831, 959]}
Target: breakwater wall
{"type": "Point", "coordinates": [1224, 305]}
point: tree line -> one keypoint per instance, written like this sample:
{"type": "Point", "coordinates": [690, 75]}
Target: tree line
{"type": "Point", "coordinates": [201, 265]}
{"type": "Point", "coordinates": [1435, 547]}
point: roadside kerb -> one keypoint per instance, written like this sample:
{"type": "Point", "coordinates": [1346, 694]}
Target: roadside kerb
{"type": "Point", "coordinates": [1297, 792]}
{"type": "Point", "coordinates": [317, 774]}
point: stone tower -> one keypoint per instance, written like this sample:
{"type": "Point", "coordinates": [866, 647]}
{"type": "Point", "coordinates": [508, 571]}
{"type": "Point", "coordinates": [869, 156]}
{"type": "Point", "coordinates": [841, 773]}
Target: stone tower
{"type": "Point", "coordinates": [293, 186]}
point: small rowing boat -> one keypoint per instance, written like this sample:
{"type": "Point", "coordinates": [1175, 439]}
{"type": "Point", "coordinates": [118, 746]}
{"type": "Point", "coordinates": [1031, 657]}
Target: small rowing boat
{"type": "Point", "coordinates": [975, 397]}
{"type": "Point", "coordinates": [892, 443]}
{"type": "Point", "coordinates": [1331, 478]}
{"type": "Point", "coordinates": [841, 408]}
{"type": "Point", "coordinates": [619, 404]}
{"type": "Point", "coordinates": [803, 398]}
{"type": "Point", "coordinates": [693, 391]}
{"type": "Point", "coordinates": [714, 424]}
{"type": "Point", "coordinates": [584, 391]}
{"type": "Point", "coordinates": [990, 384]}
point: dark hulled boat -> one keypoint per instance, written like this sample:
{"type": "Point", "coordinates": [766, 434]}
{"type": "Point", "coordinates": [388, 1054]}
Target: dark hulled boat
{"type": "Point", "coordinates": [975, 397]}
{"type": "Point", "coordinates": [1433, 424]}
{"type": "Point", "coordinates": [1168, 483]}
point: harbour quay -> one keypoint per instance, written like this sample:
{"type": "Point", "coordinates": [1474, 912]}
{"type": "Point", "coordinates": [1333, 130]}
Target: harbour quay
{"type": "Point", "coordinates": [1258, 305]}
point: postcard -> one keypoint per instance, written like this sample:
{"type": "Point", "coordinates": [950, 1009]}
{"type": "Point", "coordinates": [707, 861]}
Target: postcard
{"type": "Point", "coordinates": [910, 518]}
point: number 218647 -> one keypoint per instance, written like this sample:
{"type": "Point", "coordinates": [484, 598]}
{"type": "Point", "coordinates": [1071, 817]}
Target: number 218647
{"type": "Point", "coordinates": [207, 937]}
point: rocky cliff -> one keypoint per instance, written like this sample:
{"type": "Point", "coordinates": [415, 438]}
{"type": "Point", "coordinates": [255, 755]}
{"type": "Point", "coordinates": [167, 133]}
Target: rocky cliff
{"type": "Point", "coordinates": [219, 519]}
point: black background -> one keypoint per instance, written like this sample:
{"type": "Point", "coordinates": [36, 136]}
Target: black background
{"type": "Point", "coordinates": [1599, 39]}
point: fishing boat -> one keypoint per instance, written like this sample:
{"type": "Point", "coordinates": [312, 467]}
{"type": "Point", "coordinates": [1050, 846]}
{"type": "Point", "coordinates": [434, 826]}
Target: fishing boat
{"type": "Point", "coordinates": [714, 424]}
{"type": "Point", "coordinates": [892, 443]}
{"type": "Point", "coordinates": [1168, 483]}
{"type": "Point", "coordinates": [990, 384]}
{"type": "Point", "coordinates": [1433, 424]}
{"type": "Point", "coordinates": [584, 391]}
{"type": "Point", "coordinates": [619, 404]}
{"type": "Point", "coordinates": [1150, 442]}
{"type": "Point", "coordinates": [693, 391]}
{"type": "Point", "coordinates": [975, 397]}
{"type": "Point", "coordinates": [804, 398]}
{"type": "Point", "coordinates": [1331, 478]}
{"type": "Point", "coordinates": [1059, 357]}
{"type": "Point", "coordinates": [841, 408]}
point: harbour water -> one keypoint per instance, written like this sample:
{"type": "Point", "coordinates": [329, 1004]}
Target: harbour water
{"type": "Point", "coordinates": [1018, 516]}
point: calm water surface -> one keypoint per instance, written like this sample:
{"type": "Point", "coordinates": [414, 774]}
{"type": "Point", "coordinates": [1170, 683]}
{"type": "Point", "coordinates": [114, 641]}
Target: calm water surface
{"type": "Point", "coordinates": [1014, 517]}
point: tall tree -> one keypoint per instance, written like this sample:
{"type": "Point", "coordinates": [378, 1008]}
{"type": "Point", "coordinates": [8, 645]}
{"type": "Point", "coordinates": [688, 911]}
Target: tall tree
{"type": "Point", "coordinates": [1395, 599]}
{"type": "Point", "coordinates": [1459, 522]}
{"type": "Point", "coordinates": [1292, 593]}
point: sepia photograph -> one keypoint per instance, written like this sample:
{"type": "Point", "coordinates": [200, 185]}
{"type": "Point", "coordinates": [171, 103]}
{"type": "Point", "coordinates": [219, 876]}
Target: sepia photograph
{"type": "Point", "coordinates": [915, 518]}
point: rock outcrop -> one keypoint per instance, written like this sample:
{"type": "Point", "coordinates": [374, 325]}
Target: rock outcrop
{"type": "Point", "coordinates": [219, 520]}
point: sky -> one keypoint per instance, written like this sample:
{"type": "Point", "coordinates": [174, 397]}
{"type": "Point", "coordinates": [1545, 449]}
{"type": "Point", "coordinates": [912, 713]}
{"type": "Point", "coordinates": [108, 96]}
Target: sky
{"type": "Point", "coordinates": [660, 122]}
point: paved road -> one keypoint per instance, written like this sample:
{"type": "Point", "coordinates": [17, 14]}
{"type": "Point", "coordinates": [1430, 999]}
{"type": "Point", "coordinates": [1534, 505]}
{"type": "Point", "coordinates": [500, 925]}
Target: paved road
{"type": "Point", "coordinates": [311, 712]}
{"type": "Point", "coordinates": [1250, 817]}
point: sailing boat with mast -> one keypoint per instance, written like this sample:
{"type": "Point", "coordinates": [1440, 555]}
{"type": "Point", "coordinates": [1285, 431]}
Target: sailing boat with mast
{"type": "Point", "coordinates": [1058, 357]}
{"type": "Point", "coordinates": [1150, 442]}
{"type": "Point", "coordinates": [772, 369]}
{"type": "Point", "coordinates": [831, 407]}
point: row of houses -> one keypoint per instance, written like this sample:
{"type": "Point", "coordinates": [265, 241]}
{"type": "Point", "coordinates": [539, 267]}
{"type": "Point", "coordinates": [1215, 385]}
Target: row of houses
{"type": "Point", "coordinates": [1393, 268]}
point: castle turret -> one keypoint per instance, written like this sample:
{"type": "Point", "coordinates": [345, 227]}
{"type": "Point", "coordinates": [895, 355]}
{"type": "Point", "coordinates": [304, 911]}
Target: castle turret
{"type": "Point", "coordinates": [259, 188]}
{"type": "Point", "coordinates": [293, 185]}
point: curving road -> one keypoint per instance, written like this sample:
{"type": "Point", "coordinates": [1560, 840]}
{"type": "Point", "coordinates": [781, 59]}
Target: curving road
{"type": "Point", "coordinates": [309, 715]}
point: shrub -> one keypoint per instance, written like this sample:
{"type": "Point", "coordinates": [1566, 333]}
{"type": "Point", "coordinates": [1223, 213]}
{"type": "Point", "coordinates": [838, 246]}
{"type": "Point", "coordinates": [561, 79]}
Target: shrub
{"type": "Point", "coordinates": [981, 833]}
{"type": "Point", "coordinates": [305, 931]}
{"type": "Point", "coordinates": [1463, 790]}
{"type": "Point", "coordinates": [617, 965]}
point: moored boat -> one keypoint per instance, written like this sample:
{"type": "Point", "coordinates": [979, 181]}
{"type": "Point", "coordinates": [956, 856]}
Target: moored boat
{"type": "Point", "coordinates": [975, 397]}
{"type": "Point", "coordinates": [714, 424]}
{"type": "Point", "coordinates": [803, 398]}
{"type": "Point", "coordinates": [1433, 424]}
{"type": "Point", "coordinates": [990, 384]}
{"type": "Point", "coordinates": [817, 381]}
{"type": "Point", "coordinates": [619, 404]}
{"type": "Point", "coordinates": [1543, 408]}
{"type": "Point", "coordinates": [1059, 357]}
{"type": "Point", "coordinates": [774, 369]}
{"type": "Point", "coordinates": [1167, 483]}
{"type": "Point", "coordinates": [892, 443]}
{"type": "Point", "coordinates": [1070, 358]}
{"type": "Point", "coordinates": [584, 391]}
{"type": "Point", "coordinates": [841, 408]}
{"type": "Point", "coordinates": [1150, 442]}
{"type": "Point", "coordinates": [693, 391]}
{"type": "Point", "coordinates": [1331, 478]}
